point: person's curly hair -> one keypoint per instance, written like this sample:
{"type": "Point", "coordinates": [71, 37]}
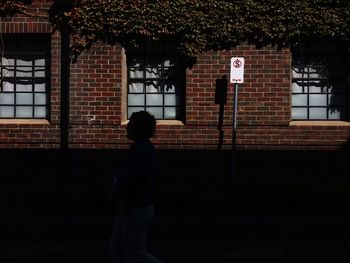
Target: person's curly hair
{"type": "Point", "coordinates": [141, 125]}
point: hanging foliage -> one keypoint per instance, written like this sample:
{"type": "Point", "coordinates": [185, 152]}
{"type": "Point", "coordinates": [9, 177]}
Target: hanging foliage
{"type": "Point", "coordinates": [197, 25]}
{"type": "Point", "coordinates": [11, 7]}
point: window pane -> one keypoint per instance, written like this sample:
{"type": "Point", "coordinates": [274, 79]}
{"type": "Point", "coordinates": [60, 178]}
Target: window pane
{"type": "Point", "coordinates": [24, 112]}
{"type": "Point", "coordinates": [39, 87]}
{"type": "Point", "coordinates": [318, 100]}
{"type": "Point", "coordinates": [337, 99]}
{"type": "Point", "coordinates": [7, 86]}
{"type": "Point", "coordinates": [24, 87]}
{"type": "Point", "coordinates": [153, 73]}
{"type": "Point", "coordinates": [170, 113]}
{"type": "Point", "coordinates": [136, 87]}
{"type": "Point", "coordinates": [135, 73]}
{"type": "Point", "coordinates": [170, 73]}
{"type": "Point", "coordinates": [315, 89]}
{"type": "Point", "coordinates": [24, 98]}
{"type": "Point", "coordinates": [7, 72]}
{"type": "Point", "coordinates": [24, 72]}
{"type": "Point", "coordinates": [40, 112]}
{"type": "Point", "coordinates": [298, 88]}
{"type": "Point", "coordinates": [171, 62]}
{"type": "Point", "coordinates": [156, 111]}
{"type": "Point", "coordinates": [39, 72]}
{"type": "Point", "coordinates": [136, 99]}
{"type": "Point", "coordinates": [7, 112]}
{"type": "Point", "coordinates": [299, 113]}
{"type": "Point", "coordinates": [7, 98]}
{"type": "Point", "coordinates": [40, 62]}
{"type": "Point", "coordinates": [318, 113]}
{"type": "Point", "coordinates": [317, 72]}
{"type": "Point", "coordinates": [154, 99]}
{"type": "Point", "coordinates": [153, 87]}
{"type": "Point", "coordinates": [135, 62]}
{"type": "Point", "coordinates": [40, 99]}
{"type": "Point", "coordinates": [299, 100]}
{"type": "Point", "coordinates": [170, 99]}
{"type": "Point", "coordinates": [317, 86]}
{"type": "Point", "coordinates": [21, 62]}
{"type": "Point", "coordinates": [7, 61]}
{"type": "Point", "coordinates": [298, 72]}
{"type": "Point", "coordinates": [335, 114]}
{"type": "Point", "coordinates": [171, 87]}
{"type": "Point", "coordinates": [134, 109]}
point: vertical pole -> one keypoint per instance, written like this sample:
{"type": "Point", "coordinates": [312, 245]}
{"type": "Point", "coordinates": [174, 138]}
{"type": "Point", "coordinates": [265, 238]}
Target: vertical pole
{"type": "Point", "coordinates": [234, 131]}
{"type": "Point", "coordinates": [65, 68]}
{"type": "Point", "coordinates": [235, 113]}
{"type": "Point", "coordinates": [64, 118]}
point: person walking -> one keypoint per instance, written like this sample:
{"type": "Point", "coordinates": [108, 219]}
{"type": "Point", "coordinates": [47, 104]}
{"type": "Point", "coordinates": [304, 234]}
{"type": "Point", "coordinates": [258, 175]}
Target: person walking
{"type": "Point", "coordinates": [133, 193]}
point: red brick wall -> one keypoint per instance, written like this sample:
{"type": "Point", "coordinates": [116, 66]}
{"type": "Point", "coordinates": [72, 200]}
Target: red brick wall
{"type": "Point", "coordinates": [97, 88]}
{"type": "Point", "coordinates": [95, 113]}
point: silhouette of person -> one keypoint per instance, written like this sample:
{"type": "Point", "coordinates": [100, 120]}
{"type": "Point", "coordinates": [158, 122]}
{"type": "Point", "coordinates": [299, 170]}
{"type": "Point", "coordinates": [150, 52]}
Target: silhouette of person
{"type": "Point", "coordinates": [134, 194]}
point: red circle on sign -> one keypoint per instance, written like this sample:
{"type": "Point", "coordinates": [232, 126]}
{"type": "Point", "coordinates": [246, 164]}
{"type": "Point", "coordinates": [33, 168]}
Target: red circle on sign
{"type": "Point", "coordinates": [237, 63]}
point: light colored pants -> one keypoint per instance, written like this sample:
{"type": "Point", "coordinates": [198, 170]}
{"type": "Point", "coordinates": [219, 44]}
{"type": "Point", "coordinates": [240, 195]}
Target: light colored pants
{"type": "Point", "coordinates": [128, 241]}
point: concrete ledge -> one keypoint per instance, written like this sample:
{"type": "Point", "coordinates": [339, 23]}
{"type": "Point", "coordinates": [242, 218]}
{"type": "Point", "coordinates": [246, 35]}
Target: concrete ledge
{"type": "Point", "coordinates": [319, 123]}
{"type": "Point", "coordinates": [24, 121]}
{"type": "Point", "coordinates": [162, 122]}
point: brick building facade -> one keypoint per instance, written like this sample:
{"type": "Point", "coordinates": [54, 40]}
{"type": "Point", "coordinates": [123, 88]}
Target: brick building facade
{"type": "Point", "coordinates": [283, 104]}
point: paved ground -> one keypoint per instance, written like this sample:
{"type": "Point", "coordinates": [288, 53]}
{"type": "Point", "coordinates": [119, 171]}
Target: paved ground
{"type": "Point", "coordinates": [184, 236]}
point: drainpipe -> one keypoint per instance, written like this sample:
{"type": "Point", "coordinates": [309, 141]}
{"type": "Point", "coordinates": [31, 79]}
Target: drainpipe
{"type": "Point", "coordinates": [65, 81]}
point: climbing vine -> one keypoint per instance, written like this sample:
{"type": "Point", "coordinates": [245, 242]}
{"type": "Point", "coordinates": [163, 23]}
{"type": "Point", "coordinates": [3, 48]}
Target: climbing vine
{"type": "Point", "coordinates": [11, 7]}
{"type": "Point", "coordinates": [197, 25]}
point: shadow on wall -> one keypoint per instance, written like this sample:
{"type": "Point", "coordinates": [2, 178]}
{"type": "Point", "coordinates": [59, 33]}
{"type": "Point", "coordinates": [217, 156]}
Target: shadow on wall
{"type": "Point", "coordinates": [196, 179]}
{"type": "Point", "coordinates": [221, 99]}
{"type": "Point", "coordinates": [32, 181]}
{"type": "Point", "coordinates": [301, 180]}
{"type": "Point", "coordinates": [35, 182]}
{"type": "Point", "coordinates": [347, 145]}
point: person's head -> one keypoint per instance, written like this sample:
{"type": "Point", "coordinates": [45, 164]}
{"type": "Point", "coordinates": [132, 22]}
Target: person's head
{"type": "Point", "coordinates": [141, 125]}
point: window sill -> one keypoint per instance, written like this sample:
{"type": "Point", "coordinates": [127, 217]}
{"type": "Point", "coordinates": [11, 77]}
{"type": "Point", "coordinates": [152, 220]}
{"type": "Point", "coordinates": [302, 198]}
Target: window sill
{"type": "Point", "coordinates": [170, 122]}
{"type": "Point", "coordinates": [162, 122]}
{"type": "Point", "coordinates": [24, 121]}
{"type": "Point", "coordinates": [319, 123]}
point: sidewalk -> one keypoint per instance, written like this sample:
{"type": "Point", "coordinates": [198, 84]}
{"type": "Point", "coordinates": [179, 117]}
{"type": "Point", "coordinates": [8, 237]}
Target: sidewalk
{"type": "Point", "coordinates": [185, 236]}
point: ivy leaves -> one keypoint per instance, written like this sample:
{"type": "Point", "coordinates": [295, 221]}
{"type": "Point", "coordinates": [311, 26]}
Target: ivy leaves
{"type": "Point", "coordinates": [197, 25]}
{"type": "Point", "coordinates": [11, 7]}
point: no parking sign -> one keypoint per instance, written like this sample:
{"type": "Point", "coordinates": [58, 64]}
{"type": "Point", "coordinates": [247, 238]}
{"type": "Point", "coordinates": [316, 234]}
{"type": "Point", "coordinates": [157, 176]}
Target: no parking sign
{"type": "Point", "coordinates": [237, 70]}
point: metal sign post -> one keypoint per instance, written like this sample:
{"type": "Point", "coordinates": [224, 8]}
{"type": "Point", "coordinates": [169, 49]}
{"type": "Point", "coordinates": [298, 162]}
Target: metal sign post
{"type": "Point", "coordinates": [234, 121]}
{"type": "Point", "coordinates": [236, 77]}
